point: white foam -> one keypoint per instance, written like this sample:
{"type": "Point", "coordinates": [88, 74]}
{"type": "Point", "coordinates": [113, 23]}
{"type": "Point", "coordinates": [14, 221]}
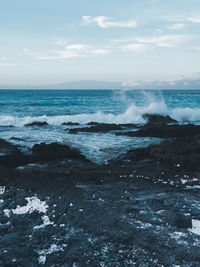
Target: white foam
{"type": "Point", "coordinates": [132, 114]}
{"type": "Point", "coordinates": [186, 114]}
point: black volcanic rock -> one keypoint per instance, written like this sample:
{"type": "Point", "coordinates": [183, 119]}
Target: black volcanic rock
{"type": "Point", "coordinates": [36, 123]}
{"type": "Point", "coordinates": [17, 138]}
{"type": "Point", "coordinates": [164, 131]}
{"type": "Point", "coordinates": [126, 125]}
{"type": "Point", "coordinates": [11, 155]}
{"type": "Point", "coordinates": [45, 152]}
{"type": "Point", "coordinates": [154, 119]}
{"type": "Point", "coordinates": [181, 153]}
{"type": "Point", "coordinates": [179, 220]}
{"type": "Point", "coordinates": [92, 123]}
{"type": "Point", "coordinates": [70, 123]}
{"type": "Point", "coordinates": [9, 126]}
{"type": "Point", "coordinates": [100, 127]}
{"type": "Point", "coordinates": [130, 125]}
{"type": "Point", "coordinates": [4, 143]}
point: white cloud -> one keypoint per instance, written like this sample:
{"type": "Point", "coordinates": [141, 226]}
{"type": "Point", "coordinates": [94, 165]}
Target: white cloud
{"type": "Point", "coordinates": [163, 40]}
{"type": "Point", "coordinates": [134, 47]}
{"type": "Point", "coordinates": [71, 51]}
{"type": "Point", "coordinates": [3, 58]}
{"type": "Point", "coordinates": [106, 22]}
{"type": "Point", "coordinates": [5, 64]}
{"type": "Point", "coordinates": [128, 83]}
{"type": "Point", "coordinates": [195, 20]}
{"type": "Point", "coordinates": [168, 40]}
{"type": "Point", "coordinates": [61, 42]}
{"type": "Point", "coordinates": [176, 26]}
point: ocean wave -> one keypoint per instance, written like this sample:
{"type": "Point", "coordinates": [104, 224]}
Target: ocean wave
{"type": "Point", "coordinates": [133, 114]}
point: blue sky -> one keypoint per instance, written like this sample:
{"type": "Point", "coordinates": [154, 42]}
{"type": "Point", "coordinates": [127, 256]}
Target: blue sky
{"type": "Point", "coordinates": [48, 41]}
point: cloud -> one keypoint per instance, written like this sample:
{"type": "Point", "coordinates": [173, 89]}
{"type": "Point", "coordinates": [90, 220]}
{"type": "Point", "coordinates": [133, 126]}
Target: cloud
{"type": "Point", "coordinates": [3, 58]}
{"type": "Point", "coordinates": [163, 40]}
{"type": "Point", "coordinates": [176, 26]}
{"type": "Point", "coordinates": [134, 47]}
{"type": "Point", "coordinates": [61, 42]}
{"type": "Point", "coordinates": [195, 20]}
{"type": "Point", "coordinates": [144, 42]}
{"type": "Point", "coordinates": [5, 64]}
{"type": "Point", "coordinates": [70, 51]}
{"type": "Point", "coordinates": [106, 22]}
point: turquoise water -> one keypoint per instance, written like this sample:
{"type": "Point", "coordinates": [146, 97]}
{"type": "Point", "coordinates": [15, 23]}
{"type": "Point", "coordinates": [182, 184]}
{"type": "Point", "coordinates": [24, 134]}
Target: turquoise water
{"type": "Point", "coordinates": [18, 107]}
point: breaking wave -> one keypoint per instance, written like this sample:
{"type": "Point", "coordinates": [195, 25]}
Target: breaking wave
{"type": "Point", "coordinates": [133, 114]}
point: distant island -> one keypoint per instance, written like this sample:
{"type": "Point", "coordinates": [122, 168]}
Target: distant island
{"type": "Point", "coordinates": [103, 85]}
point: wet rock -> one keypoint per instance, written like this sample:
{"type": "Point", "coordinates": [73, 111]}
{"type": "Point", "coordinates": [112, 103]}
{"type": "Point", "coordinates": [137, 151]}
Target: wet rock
{"type": "Point", "coordinates": [10, 126]}
{"type": "Point", "coordinates": [154, 119]}
{"type": "Point", "coordinates": [166, 131]}
{"type": "Point", "coordinates": [70, 123]}
{"type": "Point", "coordinates": [92, 123]}
{"type": "Point", "coordinates": [5, 144]}
{"type": "Point", "coordinates": [17, 138]}
{"type": "Point", "coordinates": [179, 220]}
{"type": "Point", "coordinates": [180, 153]}
{"type": "Point", "coordinates": [10, 154]}
{"type": "Point", "coordinates": [14, 159]}
{"type": "Point", "coordinates": [44, 152]}
{"type": "Point", "coordinates": [130, 125]}
{"type": "Point", "coordinates": [36, 123]}
{"type": "Point", "coordinates": [100, 127]}
{"type": "Point", "coordinates": [125, 125]}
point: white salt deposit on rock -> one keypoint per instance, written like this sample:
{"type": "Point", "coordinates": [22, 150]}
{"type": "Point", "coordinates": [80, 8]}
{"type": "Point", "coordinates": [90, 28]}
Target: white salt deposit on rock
{"type": "Point", "coordinates": [34, 204]}
{"type": "Point", "coordinates": [2, 190]}
{"type": "Point", "coordinates": [195, 227]}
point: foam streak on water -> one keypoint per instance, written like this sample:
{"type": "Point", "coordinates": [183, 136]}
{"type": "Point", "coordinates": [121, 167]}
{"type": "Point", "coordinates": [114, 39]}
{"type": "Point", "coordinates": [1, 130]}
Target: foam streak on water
{"type": "Point", "coordinates": [133, 114]}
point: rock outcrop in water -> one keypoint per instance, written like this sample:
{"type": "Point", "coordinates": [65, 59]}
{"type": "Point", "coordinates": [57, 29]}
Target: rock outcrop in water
{"type": "Point", "coordinates": [164, 131]}
{"type": "Point", "coordinates": [70, 123]}
{"type": "Point", "coordinates": [182, 153]}
{"type": "Point", "coordinates": [156, 119]}
{"type": "Point", "coordinates": [102, 127]}
{"type": "Point", "coordinates": [13, 156]}
{"type": "Point", "coordinates": [36, 123]}
{"type": "Point", "coordinates": [55, 151]}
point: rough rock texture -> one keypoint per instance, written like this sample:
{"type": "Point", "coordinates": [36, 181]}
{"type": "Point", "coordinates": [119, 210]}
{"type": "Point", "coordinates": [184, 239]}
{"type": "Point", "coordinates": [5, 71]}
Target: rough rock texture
{"type": "Point", "coordinates": [70, 123]}
{"type": "Point", "coordinates": [183, 153]}
{"type": "Point", "coordinates": [54, 151]}
{"type": "Point", "coordinates": [156, 119]}
{"type": "Point", "coordinates": [100, 127]}
{"type": "Point", "coordinates": [36, 123]}
{"type": "Point", "coordinates": [164, 131]}
{"type": "Point", "coordinates": [142, 209]}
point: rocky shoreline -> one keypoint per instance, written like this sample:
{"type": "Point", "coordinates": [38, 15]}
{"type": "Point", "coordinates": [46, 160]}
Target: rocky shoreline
{"type": "Point", "coordinates": [57, 208]}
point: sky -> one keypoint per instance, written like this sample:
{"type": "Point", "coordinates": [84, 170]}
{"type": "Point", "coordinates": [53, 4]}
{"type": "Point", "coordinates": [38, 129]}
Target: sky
{"type": "Point", "coordinates": [48, 41]}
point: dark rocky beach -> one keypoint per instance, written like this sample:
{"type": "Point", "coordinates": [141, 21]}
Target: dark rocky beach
{"type": "Point", "coordinates": [57, 208]}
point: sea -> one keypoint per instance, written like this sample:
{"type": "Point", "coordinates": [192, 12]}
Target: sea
{"type": "Point", "coordinates": [19, 107]}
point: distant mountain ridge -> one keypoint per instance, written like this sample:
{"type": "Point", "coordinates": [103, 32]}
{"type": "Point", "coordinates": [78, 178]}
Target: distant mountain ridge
{"type": "Point", "coordinates": [98, 85]}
